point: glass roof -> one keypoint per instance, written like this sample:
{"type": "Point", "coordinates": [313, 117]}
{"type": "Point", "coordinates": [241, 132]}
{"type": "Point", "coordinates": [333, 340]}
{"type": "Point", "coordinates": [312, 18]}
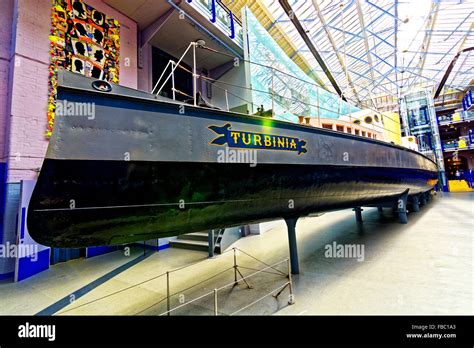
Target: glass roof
{"type": "Point", "coordinates": [383, 47]}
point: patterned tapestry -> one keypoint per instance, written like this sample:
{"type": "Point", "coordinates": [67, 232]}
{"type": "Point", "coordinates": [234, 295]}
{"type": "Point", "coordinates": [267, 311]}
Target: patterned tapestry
{"type": "Point", "coordinates": [83, 40]}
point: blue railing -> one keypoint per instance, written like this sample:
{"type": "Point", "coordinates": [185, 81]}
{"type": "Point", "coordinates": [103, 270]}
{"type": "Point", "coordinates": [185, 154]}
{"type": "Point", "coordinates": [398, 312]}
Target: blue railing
{"type": "Point", "coordinates": [221, 17]}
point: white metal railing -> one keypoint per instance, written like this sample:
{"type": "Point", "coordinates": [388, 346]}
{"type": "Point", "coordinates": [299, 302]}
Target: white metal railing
{"type": "Point", "coordinates": [214, 293]}
{"type": "Point", "coordinates": [174, 66]}
{"type": "Point", "coordinates": [269, 268]}
{"type": "Point", "coordinates": [171, 63]}
{"type": "Point", "coordinates": [273, 74]}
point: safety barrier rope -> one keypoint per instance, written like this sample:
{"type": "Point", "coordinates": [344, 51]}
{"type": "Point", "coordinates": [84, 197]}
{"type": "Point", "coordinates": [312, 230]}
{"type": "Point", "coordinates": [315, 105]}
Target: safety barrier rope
{"type": "Point", "coordinates": [95, 300]}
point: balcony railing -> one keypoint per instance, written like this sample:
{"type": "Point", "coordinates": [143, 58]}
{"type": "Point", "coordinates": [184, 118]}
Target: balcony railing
{"type": "Point", "coordinates": [221, 17]}
{"type": "Point", "coordinates": [458, 117]}
{"type": "Point", "coordinates": [465, 142]}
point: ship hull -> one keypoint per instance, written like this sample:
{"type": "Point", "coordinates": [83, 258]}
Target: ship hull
{"type": "Point", "coordinates": [141, 169]}
{"type": "Point", "coordinates": [119, 202]}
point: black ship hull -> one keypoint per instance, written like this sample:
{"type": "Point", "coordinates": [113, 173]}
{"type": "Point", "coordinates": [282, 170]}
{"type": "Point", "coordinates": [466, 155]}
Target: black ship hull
{"type": "Point", "coordinates": [87, 196]}
{"type": "Point", "coordinates": [119, 202]}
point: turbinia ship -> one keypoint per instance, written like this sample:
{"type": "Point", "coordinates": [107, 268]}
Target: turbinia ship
{"type": "Point", "coordinates": [147, 167]}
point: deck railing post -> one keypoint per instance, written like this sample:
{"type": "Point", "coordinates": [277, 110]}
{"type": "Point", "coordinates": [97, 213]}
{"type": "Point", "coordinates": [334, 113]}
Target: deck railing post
{"type": "Point", "coordinates": [227, 100]}
{"type": "Point", "coordinates": [194, 74]}
{"type": "Point", "coordinates": [172, 79]}
{"type": "Point", "coordinates": [172, 69]}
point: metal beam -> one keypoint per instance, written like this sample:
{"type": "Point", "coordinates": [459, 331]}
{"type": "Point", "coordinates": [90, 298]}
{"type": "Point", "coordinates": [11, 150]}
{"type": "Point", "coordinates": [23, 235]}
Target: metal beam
{"type": "Point", "coordinates": [144, 36]}
{"type": "Point", "coordinates": [414, 55]}
{"type": "Point", "coordinates": [427, 39]}
{"type": "Point", "coordinates": [395, 48]}
{"type": "Point", "coordinates": [321, 30]}
{"type": "Point", "coordinates": [448, 71]}
{"type": "Point", "coordinates": [460, 49]}
{"type": "Point", "coordinates": [459, 69]}
{"type": "Point", "coordinates": [366, 44]}
{"type": "Point", "coordinates": [395, 16]}
{"type": "Point", "coordinates": [150, 31]}
{"type": "Point", "coordinates": [334, 46]}
{"type": "Point", "coordinates": [290, 13]}
{"type": "Point", "coordinates": [372, 21]}
{"type": "Point", "coordinates": [217, 72]}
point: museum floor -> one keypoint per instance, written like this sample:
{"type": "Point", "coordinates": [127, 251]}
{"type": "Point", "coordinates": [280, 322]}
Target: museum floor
{"type": "Point", "coordinates": [424, 267]}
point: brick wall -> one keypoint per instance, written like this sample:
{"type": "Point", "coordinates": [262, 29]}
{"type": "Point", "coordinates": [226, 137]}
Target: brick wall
{"type": "Point", "coordinates": [24, 62]}
{"type": "Point", "coordinates": [6, 11]}
{"type": "Point", "coordinates": [26, 142]}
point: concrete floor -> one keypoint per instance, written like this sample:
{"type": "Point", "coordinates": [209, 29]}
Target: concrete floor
{"type": "Point", "coordinates": [424, 267]}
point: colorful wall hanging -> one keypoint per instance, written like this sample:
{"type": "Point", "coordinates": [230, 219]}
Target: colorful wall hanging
{"type": "Point", "coordinates": [82, 40]}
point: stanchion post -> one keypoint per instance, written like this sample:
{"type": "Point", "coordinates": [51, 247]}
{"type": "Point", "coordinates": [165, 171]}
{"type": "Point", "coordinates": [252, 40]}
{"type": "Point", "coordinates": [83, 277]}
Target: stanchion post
{"type": "Point", "coordinates": [168, 305]}
{"type": "Point", "coordinates": [235, 266]}
{"type": "Point", "coordinates": [291, 300]}
{"type": "Point", "coordinates": [215, 302]}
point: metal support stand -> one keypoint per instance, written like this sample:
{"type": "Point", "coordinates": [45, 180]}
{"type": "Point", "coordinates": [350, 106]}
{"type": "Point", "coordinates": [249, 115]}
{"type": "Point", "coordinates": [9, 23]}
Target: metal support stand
{"type": "Point", "coordinates": [428, 196]}
{"type": "Point", "coordinates": [358, 213]}
{"type": "Point", "coordinates": [423, 199]}
{"type": "Point", "coordinates": [415, 203]}
{"type": "Point", "coordinates": [291, 224]}
{"type": "Point", "coordinates": [211, 241]}
{"type": "Point", "coordinates": [236, 270]}
{"type": "Point", "coordinates": [291, 299]}
{"type": "Point", "coordinates": [402, 208]}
